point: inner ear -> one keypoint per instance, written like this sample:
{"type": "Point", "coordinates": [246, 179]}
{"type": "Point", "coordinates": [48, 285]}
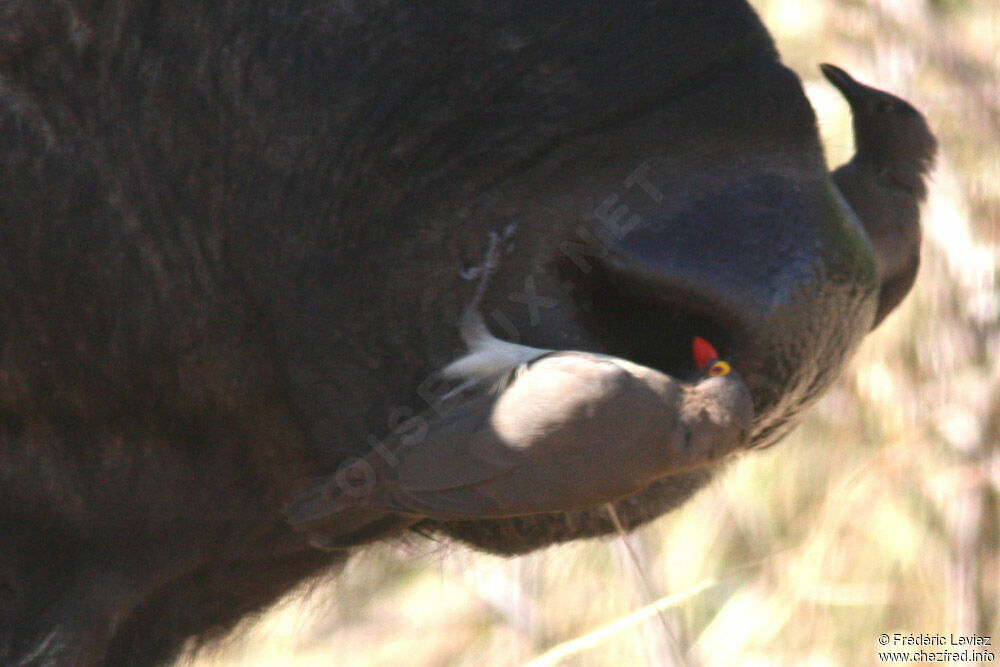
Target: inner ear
{"type": "Point", "coordinates": [655, 332]}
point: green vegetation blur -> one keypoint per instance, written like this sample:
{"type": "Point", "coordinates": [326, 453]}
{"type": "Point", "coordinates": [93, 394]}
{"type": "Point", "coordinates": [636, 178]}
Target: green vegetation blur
{"type": "Point", "coordinates": [879, 514]}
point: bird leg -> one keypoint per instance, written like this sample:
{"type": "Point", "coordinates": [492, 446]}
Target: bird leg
{"type": "Point", "coordinates": [471, 324]}
{"type": "Point", "coordinates": [472, 327]}
{"type": "Point", "coordinates": [498, 246]}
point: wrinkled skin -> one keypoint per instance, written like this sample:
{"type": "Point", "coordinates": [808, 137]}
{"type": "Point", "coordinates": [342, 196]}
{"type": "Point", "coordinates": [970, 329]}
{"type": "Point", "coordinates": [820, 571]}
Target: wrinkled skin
{"type": "Point", "coordinates": [230, 252]}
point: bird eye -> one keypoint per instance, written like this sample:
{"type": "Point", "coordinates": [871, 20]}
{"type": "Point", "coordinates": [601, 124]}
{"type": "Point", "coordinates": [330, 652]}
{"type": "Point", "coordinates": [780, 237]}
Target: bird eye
{"type": "Point", "coordinates": [719, 368]}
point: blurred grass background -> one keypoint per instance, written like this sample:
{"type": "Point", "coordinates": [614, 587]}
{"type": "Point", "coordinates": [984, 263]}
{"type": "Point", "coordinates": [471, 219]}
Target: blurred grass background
{"type": "Point", "coordinates": [878, 514]}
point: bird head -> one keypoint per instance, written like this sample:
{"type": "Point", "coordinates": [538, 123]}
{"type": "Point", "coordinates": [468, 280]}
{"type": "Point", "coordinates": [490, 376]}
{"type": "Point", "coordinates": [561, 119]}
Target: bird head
{"type": "Point", "coordinates": [707, 359]}
{"type": "Point", "coordinates": [719, 404]}
{"type": "Point", "coordinates": [888, 130]}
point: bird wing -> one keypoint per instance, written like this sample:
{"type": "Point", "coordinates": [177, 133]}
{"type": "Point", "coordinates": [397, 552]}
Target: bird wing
{"type": "Point", "coordinates": [489, 435]}
{"type": "Point", "coordinates": [555, 427]}
{"type": "Point", "coordinates": [459, 449]}
{"type": "Point", "coordinates": [558, 435]}
{"type": "Point", "coordinates": [446, 456]}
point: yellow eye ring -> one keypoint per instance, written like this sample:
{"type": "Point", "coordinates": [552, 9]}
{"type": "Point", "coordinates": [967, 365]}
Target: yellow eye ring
{"type": "Point", "coordinates": [719, 368]}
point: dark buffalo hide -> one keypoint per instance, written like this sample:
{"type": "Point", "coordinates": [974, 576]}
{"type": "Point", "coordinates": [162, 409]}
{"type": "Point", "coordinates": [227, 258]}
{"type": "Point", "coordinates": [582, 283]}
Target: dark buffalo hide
{"type": "Point", "coordinates": [231, 237]}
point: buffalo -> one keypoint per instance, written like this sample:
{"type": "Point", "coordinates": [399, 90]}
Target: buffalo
{"type": "Point", "coordinates": [232, 239]}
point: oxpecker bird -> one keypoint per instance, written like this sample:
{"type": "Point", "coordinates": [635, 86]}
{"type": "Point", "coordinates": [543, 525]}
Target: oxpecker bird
{"type": "Point", "coordinates": [531, 431]}
{"type": "Point", "coordinates": [884, 181]}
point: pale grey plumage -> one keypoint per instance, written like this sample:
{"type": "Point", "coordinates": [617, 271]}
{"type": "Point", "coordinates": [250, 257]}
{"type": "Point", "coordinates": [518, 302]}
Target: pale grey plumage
{"type": "Point", "coordinates": [532, 431]}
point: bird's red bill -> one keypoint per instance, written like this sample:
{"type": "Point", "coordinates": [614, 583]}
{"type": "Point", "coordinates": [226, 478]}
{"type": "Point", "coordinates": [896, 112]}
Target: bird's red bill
{"type": "Point", "coordinates": [704, 353]}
